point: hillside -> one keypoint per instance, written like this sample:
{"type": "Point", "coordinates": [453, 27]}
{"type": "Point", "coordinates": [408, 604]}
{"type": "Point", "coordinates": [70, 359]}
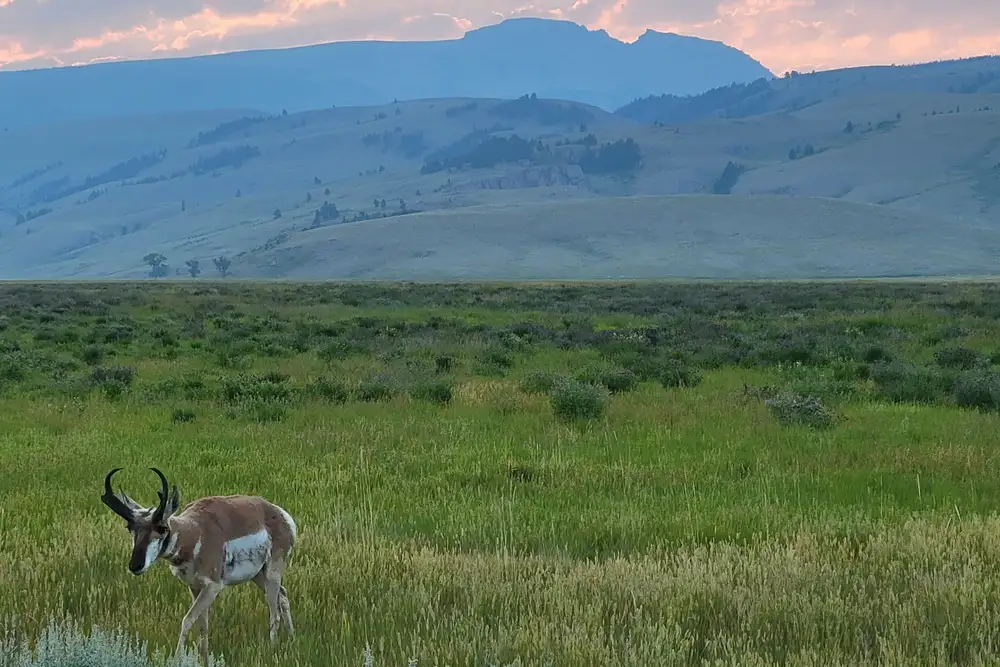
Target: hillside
{"type": "Point", "coordinates": [551, 58]}
{"type": "Point", "coordinates": [693, 236]}
{"type": "Point", "coordinates": [798, 91]}
{"type": "Point", "coordinates": [91, 199]}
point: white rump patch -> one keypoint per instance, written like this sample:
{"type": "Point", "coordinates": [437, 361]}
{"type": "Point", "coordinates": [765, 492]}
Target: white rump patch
{"type": "Point", "coordinates": [245, 556]}
{"type": "Point", "coordinates": [290, 521]}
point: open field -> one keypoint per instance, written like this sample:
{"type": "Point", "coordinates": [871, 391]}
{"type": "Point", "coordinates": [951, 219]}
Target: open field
{"type": "Point", "coordinates": [615, 474]}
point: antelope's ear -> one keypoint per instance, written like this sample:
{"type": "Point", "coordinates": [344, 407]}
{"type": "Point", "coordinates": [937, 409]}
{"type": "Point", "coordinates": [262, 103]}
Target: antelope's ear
{"type": "Point", "coordinates": [173, 502]}
{"type": "Point", "coordinates": [131, 504]}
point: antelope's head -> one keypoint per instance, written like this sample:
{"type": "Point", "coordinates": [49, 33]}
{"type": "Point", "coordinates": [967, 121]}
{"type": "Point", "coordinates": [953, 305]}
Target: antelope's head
{"type": "Point", "coordinates": [148, 525]}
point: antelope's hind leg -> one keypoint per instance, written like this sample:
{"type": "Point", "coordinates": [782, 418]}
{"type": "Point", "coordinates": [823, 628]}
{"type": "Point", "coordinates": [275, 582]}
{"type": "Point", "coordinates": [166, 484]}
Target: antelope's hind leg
{"type": "Point", "coordinates": [269, 581]}
{"type": "Point", "coordinates": [286, 612]}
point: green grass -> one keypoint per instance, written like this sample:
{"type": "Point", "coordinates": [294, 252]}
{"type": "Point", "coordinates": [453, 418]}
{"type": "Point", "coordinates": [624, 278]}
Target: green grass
{"type": "Point", "coordinates": [675, 525]}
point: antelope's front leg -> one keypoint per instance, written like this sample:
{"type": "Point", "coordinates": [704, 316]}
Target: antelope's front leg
{"type": "Point", "coordinates": [199, 606]}
{"type": "Point", "coordinates": [202, 625]}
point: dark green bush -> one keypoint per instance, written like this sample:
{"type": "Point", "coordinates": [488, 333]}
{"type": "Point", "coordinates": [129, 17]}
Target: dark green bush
{"type": "Point", "coordinates": [876, 353]}
{"type": "Point", "coordinates": [539, 381]}
{"type": "Point", "coordinates": [494, 362]}
{"type": "Point", "coordinates": [104, 375]}
{"type": "Point", "coordinates": [93, 354]}
{"type": "Point", "coordinates": [433, 391]}
{"type": "Point", "coordinates": [193, 387]}
{"type": "Point", "coordinates": [14, 367]}
{"type": "Point", "coordinates": [182, 415]}
{"type": "Point", "coordinates": [341, 349]}
{"type": "Point", "coordinates": [376, 389]}
{"type": "Point", "coordinates": [677, 373]}
{"type": "Point", "coordinates": [905, 383]}
{"type": "Point", "coordinates": [573, 400]}
{"type": "Point", "coordinates": [326, 389]}
{"type": "Point", "coordinates": [616, 380]}
{"type": "Point", "coordinates": [962, 358]}
{"type": "Point", "coordinates": [978, 389]}
{"type": "Point", "coordinates": [791, 408]}
{"type": "Point", "coordinates": [269, 388]}
{"type": "Point", "coordinates": [262, 412]}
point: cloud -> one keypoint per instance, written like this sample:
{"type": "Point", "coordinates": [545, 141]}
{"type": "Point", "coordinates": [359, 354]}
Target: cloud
{"type": "Point", "coordinates": [821, 34]}
{"type": "Point", "coordinates": [783, 34]}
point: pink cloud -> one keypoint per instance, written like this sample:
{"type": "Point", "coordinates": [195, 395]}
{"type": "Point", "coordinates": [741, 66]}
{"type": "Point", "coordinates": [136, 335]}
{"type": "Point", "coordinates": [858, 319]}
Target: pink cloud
{"type": "Point", "coordinates": [14, 52]}
{"type": "Point", "coordinates": [783, 34]}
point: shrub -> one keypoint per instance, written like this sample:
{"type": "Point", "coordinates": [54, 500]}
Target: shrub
{"type": "Point", "coordinates": [63, 644]}
{"type": "Point", "coordinates": [539, 382]}
{"type": "Point", "coordinates": [616, 380]}
{"type": "Point", "coordinates": [163, 388]}
{"type": "Point", "coordinates": [339, 350]}
{"type": "Point", "coordinates": [13, 367]}
{"type": "Point", "coordinates": [790, 408]}
{"type": "Point", "coordinates": [263, 413]}
{"type": "Point", "coordinates": [119, 374]}
{"type": "Point", "coordinates": [433, 391]}
{"type": "Point", "coordinates": [978, 389]}
{"type": "Point", "coordinates": [876, 353]}
{"type": "Point", "coordinates": [194, 388]}
{"type": "Point", "coordinates": [959, 357]}
{"type": "Point", "coordinates": [903, 383]}
{"type": "Point", "coordinates": [326, 389]}
{"type": "Point", "coordinates": [837, 381]}
{"type": "Point", "coordinates": [182, 415]}
{"type": "Point", "coordinates": [444, 363]}
{"type": "Point", "coordinates": [494, 362]}
{"type": "Point", "coordinates": [113, 381]}
{"type": "Point", "coordinates": [229, 358]}
{"type": "Point", "coordinates": [255, 388]}
{"type": "Point", "coordinates": [642, 362]}
{"type": "Point", "coordinates": [573, 400]}
{"type": "Point", "coordinates": [92, 354]}
{"type": "Point", "coordinates": [376, 389]}
{"type": "Point", "coordinates": [676, 373]}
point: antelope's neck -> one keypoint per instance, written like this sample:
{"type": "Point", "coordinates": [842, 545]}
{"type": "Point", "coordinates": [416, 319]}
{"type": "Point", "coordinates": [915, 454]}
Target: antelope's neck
{"type": "Point", "coordinates": [168, 547]}
{"type": "Point", "coordinates": [179, 543]}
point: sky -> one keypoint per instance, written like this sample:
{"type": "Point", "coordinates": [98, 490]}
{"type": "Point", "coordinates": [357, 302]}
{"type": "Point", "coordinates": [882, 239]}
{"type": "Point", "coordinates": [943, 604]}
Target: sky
{"type": "Point", "coordinates": [782, 34]}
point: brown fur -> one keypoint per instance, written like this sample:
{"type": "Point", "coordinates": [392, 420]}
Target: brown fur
{"type": "Point", "coordinates": [194, 543]}
{"type": "Point", "coordinates": [214, 520]}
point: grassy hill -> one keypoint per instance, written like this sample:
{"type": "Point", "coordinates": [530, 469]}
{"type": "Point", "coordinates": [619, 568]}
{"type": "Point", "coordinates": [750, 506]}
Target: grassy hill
{"type": "Point", "coordinates": [797, 91]}
{"type": "Point", "coordinates": [465, 187]}
{"type": "Point", "coordinates": [691, 236]}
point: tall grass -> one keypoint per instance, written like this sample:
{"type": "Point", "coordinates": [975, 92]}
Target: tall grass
{"type": "Point", "coordinates": [675, 524]}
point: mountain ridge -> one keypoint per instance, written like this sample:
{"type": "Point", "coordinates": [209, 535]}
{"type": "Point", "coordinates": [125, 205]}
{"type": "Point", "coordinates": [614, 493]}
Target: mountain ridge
{"type": "Point", "coordinates": [544, 56]}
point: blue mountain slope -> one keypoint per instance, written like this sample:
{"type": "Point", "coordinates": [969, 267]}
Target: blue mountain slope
{"type": "Point", "coordinates": [550, 58]}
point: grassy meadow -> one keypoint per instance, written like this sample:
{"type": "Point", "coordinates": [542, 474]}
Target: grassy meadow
{"type": "Point", "coordinates": [578, 474]}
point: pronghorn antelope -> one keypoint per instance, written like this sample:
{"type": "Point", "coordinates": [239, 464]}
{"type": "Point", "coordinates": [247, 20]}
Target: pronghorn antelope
{"type": "Point", "coordinates": [215, 542]}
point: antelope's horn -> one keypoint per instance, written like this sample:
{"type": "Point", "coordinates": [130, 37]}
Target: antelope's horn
{"type": "Point", "coordinates": [158, 515]}
{"type": "Point", "coordinates": [114, 502]}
